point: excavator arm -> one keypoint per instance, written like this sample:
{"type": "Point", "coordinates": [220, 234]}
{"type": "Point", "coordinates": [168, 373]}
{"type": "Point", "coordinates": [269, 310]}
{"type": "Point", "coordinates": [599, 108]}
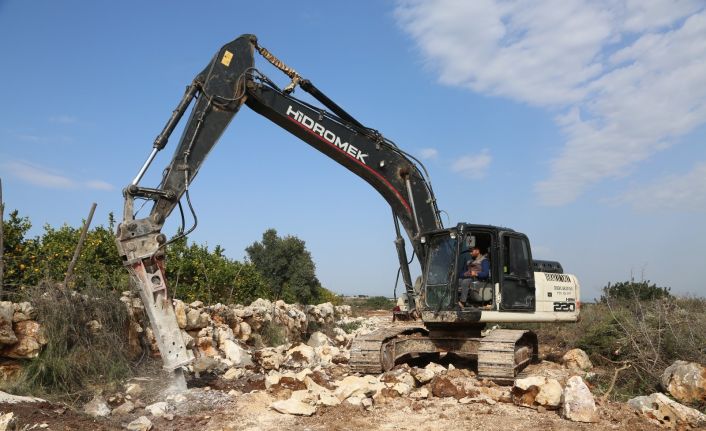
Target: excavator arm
{"type": "Point", "coordinates": [229, 81]}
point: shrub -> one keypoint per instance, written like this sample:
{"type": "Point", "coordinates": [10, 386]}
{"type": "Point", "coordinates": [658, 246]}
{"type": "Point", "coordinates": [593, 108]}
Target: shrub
{"type": "Point", "coordinates": [325, 295]}
{"type": "Point", "coordinates": [634, 291]}
{"type": "Point", "coordinates": [78, 357]}
{"type": "Point", "coordinates": [273, 335]}
{"type": "Point", "coordinates": [351, 326]}
{"type": "Point", "coordinates": [378, 303]}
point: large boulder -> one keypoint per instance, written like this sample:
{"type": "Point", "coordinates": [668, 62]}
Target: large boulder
{"type": "Point", "coordinates": [196, 319]}
{"type": "Point", "coordinates": [269, 358]}
{"type": "Point", "coordinates": [236, 354]}
{"type": "Point", "coordinates": [7, 335]}
{"type": "Point", "coordinates": [398, 375]}
{"type": "Point", "coordinates": [180, 313]}
{"type": "Point", "coordinates": [30, 339]}
{"type": "Point", "coordinates": [578, 402]}
{"type": "Point", "coordinates": [422, 375]}
{"type": "Point", "coordinates": [318, 339]}
{"type": "Point", "coordinates": [321, 395]}
{"type": "Point", "coordinates": [535, 391]}
{"type": "Point", "coordinates": [660, 410]}
{"type": "Point", "coordinates": [299, 356]}
{"type": "Point", "coordinates": [244, 331]}
{"type": "Point", "coordinates": [426, 374]}
{"type": "Point", "coordinates": [454, 383]}
{"type": "Point", "coordinates": [577, 359]}
{"type": "Point", "coordinates": [363, 386]}
{"type": "Point", "coordinates": [685, 381]}
{"type": "Point", "coordinates": [293, 406]}
{"type": "Point", "coordinates": [205, 363]}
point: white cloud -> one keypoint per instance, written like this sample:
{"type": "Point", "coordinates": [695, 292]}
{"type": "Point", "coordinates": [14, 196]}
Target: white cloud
{"type": "Point", "coordinates": [39, 176]}
{"type": "Point", "coordinates": [627, 77]}
{"type": "Point", "coordinates": [99, 185]}
{"type": "Point", "coordinates": [428, 153]}
{"type": "Point", "coordinates": [676, 192]}
{"type": "Point", "coordinates": [48, 178]}
{"type": "Point", "coordinates": [475, 166]}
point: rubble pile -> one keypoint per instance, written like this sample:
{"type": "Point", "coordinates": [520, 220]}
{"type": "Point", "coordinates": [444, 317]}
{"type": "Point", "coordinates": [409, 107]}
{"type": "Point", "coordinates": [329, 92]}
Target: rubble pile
{"type": "Point", "coordinates": [686, 383]}
{"type": "Point", "coordinates": [264, 334]}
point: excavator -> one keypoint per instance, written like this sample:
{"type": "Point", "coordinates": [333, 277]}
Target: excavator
{"type": "Point", "coordinates": [516, 288]}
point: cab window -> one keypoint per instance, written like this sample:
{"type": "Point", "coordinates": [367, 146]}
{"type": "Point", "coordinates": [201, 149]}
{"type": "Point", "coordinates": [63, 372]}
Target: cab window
{"type": "Point", "coordinates": [517, 260]}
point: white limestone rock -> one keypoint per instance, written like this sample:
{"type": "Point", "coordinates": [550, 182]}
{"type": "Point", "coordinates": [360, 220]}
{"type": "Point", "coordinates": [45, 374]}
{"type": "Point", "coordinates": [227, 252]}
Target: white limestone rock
{"type": "Point", "coordinates": [293, 407]}
{"type": "Point", "coordinates": [578, 404]}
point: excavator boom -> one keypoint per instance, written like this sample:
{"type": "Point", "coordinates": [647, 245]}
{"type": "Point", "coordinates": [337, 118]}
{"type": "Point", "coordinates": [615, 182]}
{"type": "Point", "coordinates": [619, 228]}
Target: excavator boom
{"type": "Point", "coordinates": [217, 93]}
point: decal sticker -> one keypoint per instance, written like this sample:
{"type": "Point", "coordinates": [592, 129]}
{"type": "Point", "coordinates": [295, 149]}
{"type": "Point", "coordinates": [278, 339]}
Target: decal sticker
{"type": "Point", "coordinates": [227, 57]}
{"type": "Point", "coordinates": [557, 277]}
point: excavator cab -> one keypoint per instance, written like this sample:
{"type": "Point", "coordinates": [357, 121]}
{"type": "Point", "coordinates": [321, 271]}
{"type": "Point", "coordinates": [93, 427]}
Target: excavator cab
{"type": "Point", "coordinates": [509, 285]}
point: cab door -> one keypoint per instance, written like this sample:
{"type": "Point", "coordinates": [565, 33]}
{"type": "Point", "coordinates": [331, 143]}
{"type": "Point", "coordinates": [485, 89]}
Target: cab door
{"type": "Point", "coordinates": [517, 288]}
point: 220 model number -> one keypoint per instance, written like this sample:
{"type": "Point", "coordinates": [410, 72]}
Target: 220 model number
{"type": "Point", "coordinates": [564, 306]}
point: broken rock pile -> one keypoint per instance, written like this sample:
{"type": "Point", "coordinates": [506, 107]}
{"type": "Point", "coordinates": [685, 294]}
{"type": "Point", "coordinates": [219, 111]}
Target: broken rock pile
{"type": "Point", "coordinates": [225, 336]}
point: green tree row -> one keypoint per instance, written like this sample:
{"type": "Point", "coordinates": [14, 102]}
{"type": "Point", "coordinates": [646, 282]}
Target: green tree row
{"type": "Point", "coordinates": [31, 260]}
{"type": "Point", "coordinates": [277, 268]}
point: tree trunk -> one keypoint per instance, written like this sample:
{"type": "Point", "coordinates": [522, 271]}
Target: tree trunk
{"type": "Point", "coordinates": [79, 246]}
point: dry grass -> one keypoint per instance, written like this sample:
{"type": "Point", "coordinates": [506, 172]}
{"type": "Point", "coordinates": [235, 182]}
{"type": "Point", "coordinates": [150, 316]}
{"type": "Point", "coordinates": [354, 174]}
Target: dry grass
{"type": "Point", "coordinates": [79, 358]}
{"type": "Point", "coordinates": [646, 335]}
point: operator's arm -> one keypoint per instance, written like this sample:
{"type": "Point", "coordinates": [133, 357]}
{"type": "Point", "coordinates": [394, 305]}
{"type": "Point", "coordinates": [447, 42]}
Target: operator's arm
{"type": "Point", "coordinates": [484, 272]}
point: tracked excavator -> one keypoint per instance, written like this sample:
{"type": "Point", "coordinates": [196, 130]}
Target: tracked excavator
{"type": "Point", "coordinates": [516, 288]}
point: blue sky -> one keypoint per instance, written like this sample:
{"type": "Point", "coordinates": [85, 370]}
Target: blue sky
{"type": "Point", "coordinates": [579, 123]}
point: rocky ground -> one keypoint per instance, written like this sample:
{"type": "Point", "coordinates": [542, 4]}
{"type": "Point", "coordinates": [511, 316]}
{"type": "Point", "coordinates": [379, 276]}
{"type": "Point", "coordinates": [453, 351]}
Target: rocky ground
{"type": "Point", "coordinates": [306, 383]}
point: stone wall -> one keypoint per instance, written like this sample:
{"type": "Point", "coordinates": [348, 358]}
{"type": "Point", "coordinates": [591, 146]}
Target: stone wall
{"type": "Point", "coordinates": [213, 330]}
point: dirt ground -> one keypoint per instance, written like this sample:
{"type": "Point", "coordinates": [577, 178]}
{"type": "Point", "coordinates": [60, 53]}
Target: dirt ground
{"type": "Point", "coordinates": [209, 409]}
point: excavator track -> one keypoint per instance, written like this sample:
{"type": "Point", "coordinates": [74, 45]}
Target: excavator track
{"type": "Point", "coordinates": [367, 353]}
{"type": "Point", "coordinates": [503, 353]}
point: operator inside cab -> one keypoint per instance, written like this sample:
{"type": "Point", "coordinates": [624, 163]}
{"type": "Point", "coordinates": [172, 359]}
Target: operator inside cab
{"type": "Point", "coordinates": [475, 273]}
